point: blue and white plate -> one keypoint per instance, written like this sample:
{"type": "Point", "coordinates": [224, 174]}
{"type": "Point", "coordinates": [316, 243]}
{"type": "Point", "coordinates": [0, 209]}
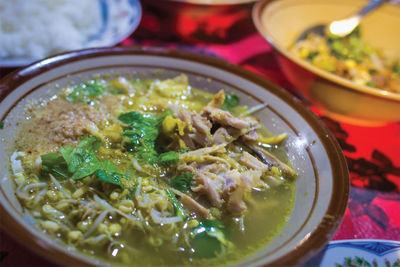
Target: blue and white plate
{"type": "Point", "coordinates": [361, 252]}
{"type": "Point", "coordinates": [120, 18]}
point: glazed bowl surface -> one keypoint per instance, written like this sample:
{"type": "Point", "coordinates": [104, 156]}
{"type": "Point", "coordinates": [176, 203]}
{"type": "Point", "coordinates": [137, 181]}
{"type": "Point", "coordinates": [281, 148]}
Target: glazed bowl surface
{"type": "Point", "coordinates": [281, 22]}
{"type": "Point", "coordinates": [322, 186]}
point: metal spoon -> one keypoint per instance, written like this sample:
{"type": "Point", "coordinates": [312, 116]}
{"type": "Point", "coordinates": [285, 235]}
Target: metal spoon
{"type": "Point", "coordinates": [345, 26]}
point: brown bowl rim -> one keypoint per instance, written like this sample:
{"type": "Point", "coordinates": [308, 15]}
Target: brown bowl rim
{"type": "Point", "coordinates": [310, 244]}
{"type": "Point", "coordinates": [332, 78]}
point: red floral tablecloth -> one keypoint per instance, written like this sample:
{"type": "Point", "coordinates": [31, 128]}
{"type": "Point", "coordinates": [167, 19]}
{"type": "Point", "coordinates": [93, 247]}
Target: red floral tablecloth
{"type": "Point", "coordinates": [372, 153]}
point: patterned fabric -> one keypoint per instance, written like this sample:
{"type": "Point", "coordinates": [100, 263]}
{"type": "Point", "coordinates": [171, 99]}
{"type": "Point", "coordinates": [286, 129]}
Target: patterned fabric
{"type": "Point", "coordinates": [227, 32]}
{"type": "Point", "coordinates": [378, 248]}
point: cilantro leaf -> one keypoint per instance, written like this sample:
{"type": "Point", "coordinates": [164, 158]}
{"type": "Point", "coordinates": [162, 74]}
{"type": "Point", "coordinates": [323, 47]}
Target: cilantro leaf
{"type": "Point", "coordinates": [108, 166]}
{"type": "Point", "coordinates": [177, 205]}
{"type": "Point", "coordinates": [182, 150]}
{"type": "Point", "coordinates": [54, 164]}
{"type": "Point", "coordinates": [231, 101]}
{"type": "Point", "coordinates": [109, 177]}
{"type": "Point", "coordinates": [84, 92]}
{"type": "Point", "coordinates": [1, 124]}
{"type": "Point", "coordinates": [142, 133]}
{"type": "Point", "coordinates": [80, 162]}
{"type": "Point", "coordinates": [66, 152]}
{"type": "Point", "coordinates": [131, 118]}
{"type": "Point", "coordinates": [89, 143]}
{"type": "Point", "coordinates": [209, 238]}
{"type": "Point", "coordinates": [109, 173]}
{"type": "Point", "coordinates": [147, 154]}
{"type": "Point", "coordinates": [169, 158]}
{"type": "Point", "coordinates": [182, 182]}
{"type": "Point", "coordinates": [86, 169]}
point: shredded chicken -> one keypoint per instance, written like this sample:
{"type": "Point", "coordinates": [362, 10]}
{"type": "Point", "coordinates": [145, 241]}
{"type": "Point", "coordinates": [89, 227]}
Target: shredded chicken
{"type": "Point", "coordinates": [210, 184]}
{"type": "Point", "coordinates": [205, 151]}
{"type": "Point", "coordinates": [225, 118]}
{"type": "Point", "coordinates": [197, 131]}
{"type": "Point", "coordinates": [236, 185]}
{"type": "Point", "coordinates": [185, 116]}
{"type": "Point", "coordinates": [235, 203]}
{"type": "Point", "coordinates": [218, 180]}
{"type": "Point", "coordinates": [187, 167]}
{"type": "Point", "coordinates": [198, 138]}
{"type": "Point", "coordinates": [202, 124]}
{"type": "Point", "coordinates": [192, 205]}
{"type": "Point", "coordinates": [275, 161]}
{"type": "Point", "coordinates": [221, 136]}
{"type": "Point", "coordinates": [250, 136]}
{"type": "Point", "coordinates": [224, 179]}
{"type": "Point", "coordinates": [252, 162]}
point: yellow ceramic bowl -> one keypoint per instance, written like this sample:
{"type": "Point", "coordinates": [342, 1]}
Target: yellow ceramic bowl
{"type": "Point", "coordinates": [281, 22]}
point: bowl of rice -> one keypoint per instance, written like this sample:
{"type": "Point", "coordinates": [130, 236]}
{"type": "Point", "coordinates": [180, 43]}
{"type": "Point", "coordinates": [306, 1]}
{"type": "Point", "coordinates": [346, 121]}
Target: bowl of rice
{"type": "Point", "coordinates": [342, 78]}
{"type": "Point", "coordinates": [32, 30]}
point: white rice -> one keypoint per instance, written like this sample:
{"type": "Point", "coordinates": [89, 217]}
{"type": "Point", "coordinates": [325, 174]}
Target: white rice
{"type": "Point", "coordinates": [39, 28]}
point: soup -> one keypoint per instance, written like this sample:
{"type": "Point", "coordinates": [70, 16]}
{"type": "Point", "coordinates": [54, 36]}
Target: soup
{"type": "Point", "coordinates": [124, 169]}
{"type": "Point", "coordinates": [352, 58]}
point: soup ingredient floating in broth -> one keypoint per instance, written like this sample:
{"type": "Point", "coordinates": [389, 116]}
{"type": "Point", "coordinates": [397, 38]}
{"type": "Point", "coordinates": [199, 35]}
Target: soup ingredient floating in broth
{"type": "Point", "coordinates": [352, 58]}
{"type": "Point", "coordinates": [125, 168]}
{"type": "Point", "coordinates": [39, 28]}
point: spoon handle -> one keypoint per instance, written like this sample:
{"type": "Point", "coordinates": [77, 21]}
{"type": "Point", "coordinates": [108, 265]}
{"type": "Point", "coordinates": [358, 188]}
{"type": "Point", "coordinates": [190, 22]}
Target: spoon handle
{"type": "Point", "coordinates": [370, 7]}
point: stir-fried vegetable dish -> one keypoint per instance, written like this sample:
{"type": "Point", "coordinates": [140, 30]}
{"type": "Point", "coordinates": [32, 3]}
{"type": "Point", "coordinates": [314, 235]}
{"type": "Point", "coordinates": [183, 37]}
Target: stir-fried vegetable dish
{"type": "Point", "coordinates": [126, 169]}
{"type": "Point", "coordinates": [352, 58]}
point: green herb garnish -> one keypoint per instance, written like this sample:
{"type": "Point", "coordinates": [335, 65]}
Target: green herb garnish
{"type": "Point", "coordinates": [351, 46]}
{"type": "Point", "coordinates": [231, 101]}
{"type": "Point", "coordinates": [85, 92]}
{"type": "Point", "coordinates": [142, 132]}
{"type": "Point", "coordinates": [177, 205]}
{"type": "Point", "coordinates": [82, 160]}
{"type": "Point", "coordinates": [169, 158]}
{"type": "Point", "coordinates": [209, 238]}
{"type": "Point", "coordinates": [312, 55]}
{"type": "Point", "coordinates": [109, 177]}
{"type": "Point", "coordinates": [182, 182]}
{"type": "Point", "coordinates": [79, 162]}
{"type": "Point", "coordinates": [54, 164]}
